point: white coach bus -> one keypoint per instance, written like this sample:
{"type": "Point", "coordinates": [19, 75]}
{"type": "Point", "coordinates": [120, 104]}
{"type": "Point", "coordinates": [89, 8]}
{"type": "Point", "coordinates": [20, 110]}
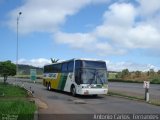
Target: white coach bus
{"type": "Point", "coordinates": [78, 76]}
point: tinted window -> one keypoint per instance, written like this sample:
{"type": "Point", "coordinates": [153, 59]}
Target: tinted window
{"type": "Point", "coordinates": [78, 64]}
{"type": "Point", "coordinates": [52, 68]}
{"type": "Point", "coordinates": [78, 76]}
{"type": "Point", "coordinates": [64, 67]}
{"type": "Point", "coordinates": [56, 67]}
{"type": "Point", "coordinates": [94, 64]}
{"type": "Point", "coordinates": [46, 69]}
{"type": "Point", "coordinates": [70, 66]}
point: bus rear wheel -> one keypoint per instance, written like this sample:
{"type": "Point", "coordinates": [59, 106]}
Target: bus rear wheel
{"type": "Point", "coordinates": [49, 86]}
{"type": "Point", "coordinates": [73, 91]}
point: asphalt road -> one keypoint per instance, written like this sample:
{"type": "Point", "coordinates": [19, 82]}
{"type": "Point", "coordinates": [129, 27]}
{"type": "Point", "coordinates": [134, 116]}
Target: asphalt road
{"type": "Point", "coordinates": [62, 103]}
{"type": "Point", "coordinates": [135, 89]}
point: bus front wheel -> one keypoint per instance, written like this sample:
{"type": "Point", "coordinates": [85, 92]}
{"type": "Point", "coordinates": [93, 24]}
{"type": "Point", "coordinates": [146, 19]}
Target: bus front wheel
{"type": "Point", "coordinates": [73, 91]}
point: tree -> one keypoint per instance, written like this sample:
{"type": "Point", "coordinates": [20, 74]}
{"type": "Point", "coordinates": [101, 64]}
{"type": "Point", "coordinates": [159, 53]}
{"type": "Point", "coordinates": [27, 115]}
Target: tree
{"type": "Point", "coordinates": [54, 60]}
{"type": "Point", "coordinates": [138, 73]}
{"type": "Point", "coordinates": [118, 75]}
{"type": "Point", "coordinates": [151, 72]}
{"type": "Point", "coordinates": [158, 72]}
{"type": "Point", "coordinates": [7, 68]}
{"type": "Point", "coordinates": [125, 73]}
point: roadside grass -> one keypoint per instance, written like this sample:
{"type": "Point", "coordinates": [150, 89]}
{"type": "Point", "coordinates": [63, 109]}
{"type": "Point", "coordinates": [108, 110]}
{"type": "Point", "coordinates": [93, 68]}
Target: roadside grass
{"type": "Point", "coordinates": [153, 102]}
{"type": "Point", "coordinates": [14, 101]}
{"type": "Point", "coordinates": [127, 81]}
{"type": "Point", "coordinates": [8, 90]}
{"type": "Point", "coordinates": [112, 75]}
{"type": "Point", "coordinates": [126, 96]}
{"type": "Point", "coordinates": [154, 79]}
{"type": "Point", "coordinates": [23, 109]}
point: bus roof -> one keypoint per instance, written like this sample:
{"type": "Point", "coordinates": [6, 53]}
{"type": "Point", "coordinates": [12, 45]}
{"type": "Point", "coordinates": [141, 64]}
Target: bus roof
{"type": "Point", "coordinates": [63, 61]}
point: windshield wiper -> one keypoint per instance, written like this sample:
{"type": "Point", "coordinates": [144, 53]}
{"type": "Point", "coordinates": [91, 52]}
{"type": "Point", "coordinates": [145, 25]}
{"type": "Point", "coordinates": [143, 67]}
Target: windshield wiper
{"type": "Point", "coordinates": [98, 76]}
{"type": "Point", "coordinates": [94, 77]}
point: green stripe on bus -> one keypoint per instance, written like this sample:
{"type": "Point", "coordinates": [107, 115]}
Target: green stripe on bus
{"type": "Point", "coordinates": [62, 81]}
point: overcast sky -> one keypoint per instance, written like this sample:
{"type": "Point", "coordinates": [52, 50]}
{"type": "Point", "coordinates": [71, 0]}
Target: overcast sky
{"type": "Point", "coordinates": [124, 33]}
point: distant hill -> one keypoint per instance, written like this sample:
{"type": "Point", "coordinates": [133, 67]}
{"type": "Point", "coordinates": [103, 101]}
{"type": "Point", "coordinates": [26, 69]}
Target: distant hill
{"type": "Point", "coordinates": [25, 69]}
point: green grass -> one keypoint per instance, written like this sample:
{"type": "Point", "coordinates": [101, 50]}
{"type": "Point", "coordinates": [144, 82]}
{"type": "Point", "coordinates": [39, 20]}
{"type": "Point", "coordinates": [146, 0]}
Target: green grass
{"type": "Point", "coordinates": [127, 81]}
{"type": "Point", "coordinates": [112, 75]}
{"type": "Point", "coordinates": [12, 91]}
{"type": "Point", "coordinates": [155, 80]}
{"type": "Point", "coordinates": [15, 107]}
{"type": "Point", "coordinates": [126, 96]}
{"type": "Point", "coordinates": [15, 102]}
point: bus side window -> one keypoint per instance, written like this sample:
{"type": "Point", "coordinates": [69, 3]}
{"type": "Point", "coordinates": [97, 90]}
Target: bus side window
{"type": "Point", "coordinates": [78, 64]}
{"type": "Point", "coordinates": [78, 76]}
{"type": "Point", "coordinates": [70, 66]}
{"type": "Point", "coordinates": [64, 67]}
{"type": "Point", "coordinates": [45, 69]}
{"type": "Point", "coordinates": [54, 68]}
{"type": "Point", "coordinates": [57, 68]}
{"type": "Point", "coordinates": [78, 71]}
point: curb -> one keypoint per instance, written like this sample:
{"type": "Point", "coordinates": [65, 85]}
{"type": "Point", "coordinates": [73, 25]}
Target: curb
{"type": "Point", "coordinates": [36, 112]}
{"type": "Point", "coordinates": [132, 98]}
{"type": "Point", "coordinates": [35, 115]}
{"type": "Point", "coordinates": [30, 91]}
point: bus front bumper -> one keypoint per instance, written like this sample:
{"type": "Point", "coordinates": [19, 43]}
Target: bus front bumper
{"type": "Point", "coordinates": [92, 91]}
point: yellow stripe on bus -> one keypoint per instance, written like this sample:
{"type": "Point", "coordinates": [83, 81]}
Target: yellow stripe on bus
{"type": "Point", "coordinates": [55, 83]}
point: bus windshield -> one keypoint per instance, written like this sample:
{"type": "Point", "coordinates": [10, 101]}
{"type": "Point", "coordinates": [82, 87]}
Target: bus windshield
{"type": "Point", "coordinates": [93, 64]}
{"type": "Point", "coordinates": [90, 72]}
{"type": "Point", "coordinates": [93, 76]}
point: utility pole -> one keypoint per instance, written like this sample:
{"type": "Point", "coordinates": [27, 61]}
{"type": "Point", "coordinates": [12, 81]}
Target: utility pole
{"type": "Point", "coordinates": [18, 17]}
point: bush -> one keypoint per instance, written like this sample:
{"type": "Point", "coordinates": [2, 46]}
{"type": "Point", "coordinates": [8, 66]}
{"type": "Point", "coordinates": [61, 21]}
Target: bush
{"type": "Point", "coordinates": [155, 80]}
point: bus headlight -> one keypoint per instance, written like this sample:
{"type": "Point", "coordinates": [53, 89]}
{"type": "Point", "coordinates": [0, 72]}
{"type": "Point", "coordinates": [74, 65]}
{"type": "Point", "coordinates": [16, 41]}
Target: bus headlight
{"type": "Point", "coordinates": [88, 86]}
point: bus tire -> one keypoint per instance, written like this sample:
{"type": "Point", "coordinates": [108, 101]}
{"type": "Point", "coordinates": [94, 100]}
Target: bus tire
{"type": "Point", "coordinates": [73, 91]}
{"type": "Point", "coordinates": [49, 86]}
{"type": "Point", "coordinates": [46, 85]}
{"type": "Point", "coordinates": [95, 95]}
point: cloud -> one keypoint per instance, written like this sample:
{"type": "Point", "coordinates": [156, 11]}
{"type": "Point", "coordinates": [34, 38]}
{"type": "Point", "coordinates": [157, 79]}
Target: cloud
{"type": "Point", "coordinates": [144, 36]}
{"type": "Point", "coordinates": [40, 62]}
{"type": "Point", "coordinates": [75, 40]}
{"type": "Point", "coordinates": [120, 14]}
{"type": "Point", "coordinates": [45, 15]}
{"type": "Point", "coordinates": [125, 26]}
{"type": "Point", "coordinates": [149, 8]}
{"type": "Point", "coordinates": [85, 41]}
{"type": "Point", "coordinates": [121, 27]}
{"type": "Point", "coordinates": [119, 33]}
{"type": "Point", "coordinates": [119, 66]}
